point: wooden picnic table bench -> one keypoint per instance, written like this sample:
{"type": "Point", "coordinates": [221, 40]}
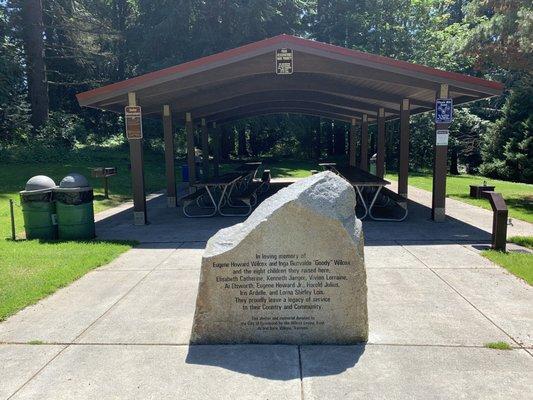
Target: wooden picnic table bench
{"type": "Point", "coordinates": [360, 179]}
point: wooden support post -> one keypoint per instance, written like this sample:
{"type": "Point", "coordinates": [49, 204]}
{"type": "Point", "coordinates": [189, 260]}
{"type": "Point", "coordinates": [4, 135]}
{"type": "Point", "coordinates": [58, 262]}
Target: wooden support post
{"type": "Point", "coordinates": [216, 149]}
{"type": "Point", "coordinates": [403, 168]}
{"type": "Point", "coordinates": [205, 150]}
{"type": "Point", "coordinates": [380, 160]}
{"type": "Point", "coordinates": [364, 143]}
{"type": "Point", "coordinates": [137, 174]}
{"type": "Point", "coordinates": [191, 162]}
{"type": "Point", "coordinates": [499, 220]}
{"type": "Point", "coordinates": [352, 143]}
{"type": "Point", "coordinates": [440, 169]}
{"type": "Point", "coordinates": [170, 166]}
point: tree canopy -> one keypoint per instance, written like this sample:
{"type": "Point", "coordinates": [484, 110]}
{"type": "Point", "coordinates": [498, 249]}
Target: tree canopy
{"type": "Point", "coordinates": [52, 49]}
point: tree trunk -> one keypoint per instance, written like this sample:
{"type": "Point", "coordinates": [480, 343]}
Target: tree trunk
{"type": "Point", "coordinates": [224, 143]}
{"type": "Point", "coordinates": [340, 139]}
{"type": "Point", "coordinates": [318, 139]}
{"type": "Point", "coordinates": [32, 22]}
{"type": "Point", "coordinates": [121, 15]}
{"type": "Point", "coordinates": [454, 168]}
{"type": "Point", "coordinates": [242, 141]}
{"type": "Point", "coordinates": [329, 138]}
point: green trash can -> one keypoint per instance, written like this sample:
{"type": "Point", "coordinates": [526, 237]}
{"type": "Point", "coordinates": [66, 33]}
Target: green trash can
{"type": "Point", "coordinates": [74, 205]}
{"type": "Point", "coordinates": [38, 208]}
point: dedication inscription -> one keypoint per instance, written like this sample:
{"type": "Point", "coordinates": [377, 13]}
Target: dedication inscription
{"type": "Point", "coordinates": [292, 273]}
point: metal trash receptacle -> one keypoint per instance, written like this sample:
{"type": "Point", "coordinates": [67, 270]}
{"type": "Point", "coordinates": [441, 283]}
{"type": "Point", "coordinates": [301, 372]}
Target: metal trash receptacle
{"type": "Point", "coordinates": [38, 208]}
{"type": "Point", "coordinates": [74, 205]}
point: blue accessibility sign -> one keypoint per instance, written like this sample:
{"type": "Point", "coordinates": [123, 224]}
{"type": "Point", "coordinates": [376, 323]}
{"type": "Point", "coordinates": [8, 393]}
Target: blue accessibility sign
{"type": "Point", "coordinates": [444, 111]}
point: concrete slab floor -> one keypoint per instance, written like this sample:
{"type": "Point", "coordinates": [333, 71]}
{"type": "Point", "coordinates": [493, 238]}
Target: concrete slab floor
{"type": "Point", "coordinates": [122, 330]}
{"type": "Point", "coordinates": [391, 256]}
{"type": "Point", "coordinates": [419, 372]}
{"type": "Point", "coordinates": [168, 372]}
{"type": "Point", "coordinates": [503, 298]}
{"type": "Point", "coordinates": [145, 256]}
{"type": "Point", "coordinates": [448, 256]}
{"type": "Point", "coordinates": [414, 306]}
{"type": "Point", "coordinates": [63, 316]}
{"type": "Point", "coordinates": [159, 310]}
{"type": "Point", "coordinates": [19, 363]}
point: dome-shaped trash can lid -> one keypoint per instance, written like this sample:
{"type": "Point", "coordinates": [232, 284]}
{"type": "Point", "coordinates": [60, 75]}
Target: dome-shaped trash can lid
{"type": "Point", "coordinates": [39, 183]}
{"type": "Point", "coordinates": [74, 180]}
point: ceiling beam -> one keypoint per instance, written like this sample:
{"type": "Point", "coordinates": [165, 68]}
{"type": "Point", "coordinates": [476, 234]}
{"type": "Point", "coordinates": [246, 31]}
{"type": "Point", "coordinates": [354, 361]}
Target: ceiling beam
{"type": "Point", "coordinates": [282, 96]}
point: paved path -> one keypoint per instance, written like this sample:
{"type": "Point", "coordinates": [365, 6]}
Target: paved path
{"type": "Point", "coordinates": [122, 331]}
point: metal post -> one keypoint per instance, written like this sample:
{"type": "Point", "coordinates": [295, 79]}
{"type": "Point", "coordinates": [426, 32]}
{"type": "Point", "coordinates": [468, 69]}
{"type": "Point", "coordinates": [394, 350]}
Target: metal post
{"type": "Point", "coordinates": [364, 143]}
{"type": "Point", "coordinates": [12, 212]}
{"type": "Point", "coordinates": [189, 127]}
{"type": "Point", "coordinates": [170, 167]}
{"type": "Point", "coordinates": [380, 160]}
{"type": "Point", "coordinates": [440, 169]}
{"type": "Point", "coordinates": [137, 174]}
{"type": "Point", "coordinates": [352, 143]}
{"type": "Point", "coordinates": [106, 188]}
{"type": "Point", "coordinates": [205, 150]}
{"type": "Point", "coordinates": [403, 170]}
{"type": "Point", "coordinates": [216, 148]}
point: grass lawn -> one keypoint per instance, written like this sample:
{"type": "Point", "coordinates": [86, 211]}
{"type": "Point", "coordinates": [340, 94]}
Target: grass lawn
{"type": "Point", "coordinates": [31, 270]}
{"type": "Point", "coordinates": [519, 264]}
{"type": "Point", "coordinates": [518, 196]}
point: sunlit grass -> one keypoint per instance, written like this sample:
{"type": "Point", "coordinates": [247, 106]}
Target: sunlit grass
{"type": "Point", "coordinates": [518, 196]}
{"type": "Point", "coordinates": [498, 346]}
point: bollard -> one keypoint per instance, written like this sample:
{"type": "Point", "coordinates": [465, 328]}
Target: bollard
{"type": "Point", "coordinates": [12, 212]}
{"type": "Point", "coordinates": [499, 220]}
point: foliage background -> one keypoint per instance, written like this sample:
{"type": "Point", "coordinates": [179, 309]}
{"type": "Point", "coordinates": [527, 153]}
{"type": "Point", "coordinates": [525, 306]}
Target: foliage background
{"type": "Point", "coordinates": [89, 43]}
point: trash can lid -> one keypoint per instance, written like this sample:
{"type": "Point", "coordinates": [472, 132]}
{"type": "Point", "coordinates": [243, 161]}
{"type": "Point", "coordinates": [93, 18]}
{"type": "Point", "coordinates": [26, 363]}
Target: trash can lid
{"type": "Point", "coordinates": [39, 183]}
{"type": "Point", "coordinates": [74, 180]}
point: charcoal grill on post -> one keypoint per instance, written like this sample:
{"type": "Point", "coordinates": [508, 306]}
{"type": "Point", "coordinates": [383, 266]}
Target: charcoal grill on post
{"type": "Point", "coordinates": [105, 173]}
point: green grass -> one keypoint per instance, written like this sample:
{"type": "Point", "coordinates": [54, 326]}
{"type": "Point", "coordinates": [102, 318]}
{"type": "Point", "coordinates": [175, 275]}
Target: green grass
{"type": "Point", "coordinates": [519, 264]}
{"type": "Point", "coordinates": [525, 241]}
{"type": "Point", "coordinates": [291, 169]}
{"type": "Point", "coordinates": [498, 346]}
{"type": "Point", "coordinates": [13, 177]}
{"type": "Point", "coordinates": [31, 270]}
{"type": "Point", "coordinates": [518, 196]}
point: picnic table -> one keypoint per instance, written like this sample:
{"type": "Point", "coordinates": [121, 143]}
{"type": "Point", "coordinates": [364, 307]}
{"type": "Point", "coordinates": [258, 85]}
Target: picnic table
{"type": "Point", "coordinates": [329, 166]}
{"type": "Point", "coordinates": [361, 179]}
{"type": "Point", "coordinates": [250, 169]}
{"type": "Point", "coordinates": [224, 183]}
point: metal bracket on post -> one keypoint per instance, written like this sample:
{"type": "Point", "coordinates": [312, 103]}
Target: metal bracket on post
{"type": "Point", "coordinates": [499, 220]}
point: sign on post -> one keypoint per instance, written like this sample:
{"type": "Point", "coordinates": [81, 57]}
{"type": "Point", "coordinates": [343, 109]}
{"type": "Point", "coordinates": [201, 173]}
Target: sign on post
{"type": "Point", "coordinates": [444, 111]}
{"type": "Point", "coordinates": [284, 61]}
{"type": "Point", "coordinates": [134, 128]}
{"type": "Point", "coordinates": [443, 136]}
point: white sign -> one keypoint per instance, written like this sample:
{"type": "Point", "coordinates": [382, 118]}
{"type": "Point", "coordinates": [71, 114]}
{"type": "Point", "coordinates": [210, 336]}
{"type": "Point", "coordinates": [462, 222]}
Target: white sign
{"type": "Point", "coordinates": [442, 137]}
{"type": "Point", "coordinates": [284, 62]}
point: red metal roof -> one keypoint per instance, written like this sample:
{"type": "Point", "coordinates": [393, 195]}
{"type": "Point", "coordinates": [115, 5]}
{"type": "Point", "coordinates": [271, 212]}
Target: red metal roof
{"type": "Point", "coordinates": [286, 39]}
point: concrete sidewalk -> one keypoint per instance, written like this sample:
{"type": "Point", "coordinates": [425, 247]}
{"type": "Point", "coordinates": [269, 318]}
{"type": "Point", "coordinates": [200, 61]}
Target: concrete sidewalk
{"type": "Point", "coordinates": [122, 331]}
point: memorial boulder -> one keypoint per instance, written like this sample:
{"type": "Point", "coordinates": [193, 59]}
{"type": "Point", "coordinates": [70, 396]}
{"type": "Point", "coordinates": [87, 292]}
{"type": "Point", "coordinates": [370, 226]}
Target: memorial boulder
{"type": "Point", "coordinates": [292, 273]}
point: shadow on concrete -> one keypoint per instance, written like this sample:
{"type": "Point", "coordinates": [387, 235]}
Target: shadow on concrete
{"type": "Point", "coordinates": [278, 362]}
{"type": "Point", "coordinates": [169, 225]}
{"type": "Point", "coordinates": [274, 362]}
{"type": "Point", "coordinates": [327, 360]}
